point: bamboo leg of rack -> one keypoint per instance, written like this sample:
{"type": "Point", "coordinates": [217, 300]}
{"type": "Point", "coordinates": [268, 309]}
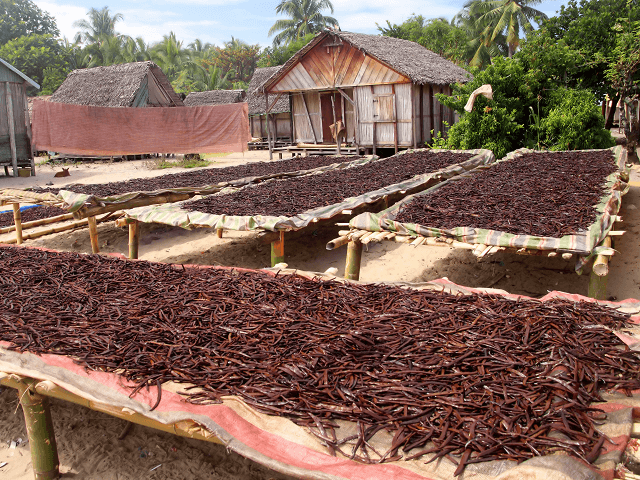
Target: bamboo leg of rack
{"type": "Point", "coordinates": [354, 259]}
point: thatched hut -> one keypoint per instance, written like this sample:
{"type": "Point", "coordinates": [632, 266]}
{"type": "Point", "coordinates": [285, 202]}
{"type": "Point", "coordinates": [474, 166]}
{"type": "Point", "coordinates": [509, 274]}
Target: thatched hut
{"type": "Point", "coordinates": [381, 89]}
{"type": "Point", "coordinates": [15, 126]}
{"type": "Point", "coordinates": [139, 84]}
{"type": "Point", "coordinates": [215, 97]}
{"type": "Point", "coordinates": [279, 114]}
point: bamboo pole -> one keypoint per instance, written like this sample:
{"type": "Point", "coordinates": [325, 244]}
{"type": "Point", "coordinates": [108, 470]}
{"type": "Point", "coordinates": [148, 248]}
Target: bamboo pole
{"type": "Point", "coordinates": [42, 440]}
{"type": "Point", "coordinates": [354, 260]}
{"type": "Point", "coordinates": [37, 223]}
{"type": "Point", "coordinates": [277, 250]}
{"type": "Point", "coordinates": [219, 232]}
{"type": "Point", "coordinates": [337, 242]}
{"type": "Point", "coordinates": [184, 428]}
{"type": "Point", "coordinates": [600, 274]}
{"type": "Point", "coordinates": [17, 219]}
{"type": "Point", "coordinates": [85, 212]}
{"type": "Point", "coordinates": [58, 229]}
{"type": "Point", "coordinates": [134, 237]}
{"type": "Point", "coordinates": [93, 234]}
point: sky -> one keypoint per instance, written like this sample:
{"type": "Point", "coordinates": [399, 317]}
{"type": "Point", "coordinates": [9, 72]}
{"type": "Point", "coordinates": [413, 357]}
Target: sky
{"type": "Point", "coordinates": [216, 21]}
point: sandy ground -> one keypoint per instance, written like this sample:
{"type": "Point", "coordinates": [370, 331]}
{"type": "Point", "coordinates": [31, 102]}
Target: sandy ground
{"type": "Point", "coordinates": [88, 441]}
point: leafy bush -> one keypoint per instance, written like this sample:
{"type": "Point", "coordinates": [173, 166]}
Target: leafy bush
{"type": "Point", "coordinates": [574, 121]}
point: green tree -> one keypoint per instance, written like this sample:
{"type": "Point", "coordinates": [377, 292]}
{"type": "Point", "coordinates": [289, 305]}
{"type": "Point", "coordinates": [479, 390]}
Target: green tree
{"type": "Point", "coordinates": [509, 18]}
{"type": "Point", "coordinates": [305, 16]}
{"type": "Point", "coordinates": [588, 27]}
{"type": "Point", "coordinates": [170, 56]}
{"type": "Point", "coordinates": [437, 34]}
{"type": "Point", "coordinates": [19, 18]}
{"type": "Point", "coordinates": [101, 25]}
{"type": "Point", "coordinates": [274, 56]}
{"type": "Point", "coordinates": [33, 54]}
{"type": "Point", "coordinates": [481, 47]}
{"type": "Point", "coordinates": [236, 58]}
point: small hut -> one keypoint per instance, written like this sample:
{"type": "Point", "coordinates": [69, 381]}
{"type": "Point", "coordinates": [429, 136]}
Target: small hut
{"type": "Point", "coordinates": [139, 84]}
{"type": "Point", "coordinates": [279, 113]}
{"type": "Point", "coordinates": [215, 97]}
{"type": "Point", "coordinates": [381, 90]}
{"type": "Point", "coordinates": [15, 125]}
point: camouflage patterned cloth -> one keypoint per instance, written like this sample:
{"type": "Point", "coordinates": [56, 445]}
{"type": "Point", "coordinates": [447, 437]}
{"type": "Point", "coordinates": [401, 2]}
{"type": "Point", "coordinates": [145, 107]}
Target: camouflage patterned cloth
{"type": "Point", "coordinates": [14, 195]}
{"type": "Point", "coordinates": [585, 244]}
{"type": "Point", "coordinates": [175, 215]}
{"type": "Point", "coordinates": [76, 201]}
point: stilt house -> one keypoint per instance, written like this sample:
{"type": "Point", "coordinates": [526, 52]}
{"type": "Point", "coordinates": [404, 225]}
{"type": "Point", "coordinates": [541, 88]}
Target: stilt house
{"type": "Point", "coordinates": [279, 114]}
{"type": "Point", "coordinates": [139, 84]}
{"type": "Point", "coordinates": [382, 89]}
{"type": "Point", "coordinates": [15, 125]}
{"type": "Point", "coordinates": [215, 97]}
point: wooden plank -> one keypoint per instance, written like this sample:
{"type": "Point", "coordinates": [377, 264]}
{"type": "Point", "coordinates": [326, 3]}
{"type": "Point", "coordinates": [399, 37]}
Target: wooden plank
{"type": "Point", "coordinates": [362, 70]}
{"type": "Point", "coordinates": [321, 62]}
{"type": "Point", "coordinates": [28, 126]}
{"type": "Point", "coordinates": [422, 136]}
{"type": "Point", "coordinates": [12, 129]}
{"type": "Point", "coordinates": [266, 108]}
{"type": "Point", "coordinates": [303, 80]}
{"type": "Point", "coordinates": [372, 72]}
{"type": "Point", "coordinates": [395, 117]}
{"type": "Point", "coordinates": [431, 115]}
{"type": "Point", "coordinates": [304, 102]}
{"type": "Point", "coordinates": [343, 67]}
{"type": "Point", "coordinates": [352, 70]}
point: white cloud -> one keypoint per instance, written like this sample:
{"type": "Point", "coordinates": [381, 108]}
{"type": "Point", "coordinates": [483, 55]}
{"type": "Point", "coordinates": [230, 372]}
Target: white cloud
{"type": "Point", "coordinates": [65, 15]}
{"type": "Point", "coordinates": [152, 30]}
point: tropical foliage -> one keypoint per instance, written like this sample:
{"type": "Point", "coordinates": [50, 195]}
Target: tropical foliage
{"type": "Point", "coordinates": [305, 16]}
{"type": "Point", "coordinates": [19, 18]}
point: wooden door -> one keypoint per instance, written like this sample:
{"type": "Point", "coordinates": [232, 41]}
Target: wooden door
{"type": "Point", "coordinates": [331, 111]}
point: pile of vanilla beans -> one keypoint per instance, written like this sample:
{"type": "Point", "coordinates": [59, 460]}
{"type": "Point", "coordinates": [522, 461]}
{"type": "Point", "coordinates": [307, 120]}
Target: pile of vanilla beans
{"type": "Point", "coordinates": [546, 194]}
{"type": "Point", "coordinates": [204, 177]}
{"type": "Point", "coordinates": [471, 377]}
{"type": "Point", "coordinates": [292, 196]}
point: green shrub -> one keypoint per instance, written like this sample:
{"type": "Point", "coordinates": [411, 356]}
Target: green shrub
{"type": "Point", "coordinates": [574, 121]}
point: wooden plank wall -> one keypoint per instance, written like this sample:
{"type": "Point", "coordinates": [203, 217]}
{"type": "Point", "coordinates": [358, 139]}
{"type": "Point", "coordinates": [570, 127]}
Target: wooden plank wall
{"type": "Point", "coordinates": [23, 149]}
{"type": "Point", "coordinates": [283, 124]}
{"type": "Point", "coordinates": [325, 67]}
{"type": "Point", "coordinates": [302, 126]}
{"type": "Point", "coordinates": [385, 131]}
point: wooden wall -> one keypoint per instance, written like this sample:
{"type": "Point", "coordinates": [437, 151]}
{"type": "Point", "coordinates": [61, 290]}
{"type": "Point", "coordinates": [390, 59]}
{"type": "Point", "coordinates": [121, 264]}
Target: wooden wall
{"type": "Point", "coordinates": [19, 104]}
{"type": "Point", "coordinates": [387, 109]}
{"type": "Point", "coordinates": [328, 65]}
{"type": "Point", "coordinates": [282, 126]}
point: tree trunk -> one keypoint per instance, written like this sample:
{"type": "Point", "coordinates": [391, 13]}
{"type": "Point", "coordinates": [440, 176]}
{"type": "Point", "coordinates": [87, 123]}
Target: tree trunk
{"type": "Point", "coordinates": [612, 111]}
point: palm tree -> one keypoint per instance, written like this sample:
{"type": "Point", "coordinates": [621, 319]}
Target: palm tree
{"type": "Point", "coordinates": [170, 56]}
{"type": "Point", "coordinates": [497, 22]}
{"type": "Point", "coordinates": [305, 17]}
{"type": "Point", "coordinates": [101, 25]}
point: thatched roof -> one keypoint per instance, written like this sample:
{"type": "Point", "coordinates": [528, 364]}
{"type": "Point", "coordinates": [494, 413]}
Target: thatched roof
{"type": "Point", "coordinates": [112, 86]}
{"type": "Point", "coordinates": [255, 99]}
{"type": "Point", "coordinates": [214, 97]}
{"type": "Point", "coordinates": [414, 61]}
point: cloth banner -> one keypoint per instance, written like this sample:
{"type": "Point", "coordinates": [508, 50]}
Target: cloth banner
{"type": "Point", "coordinates": [105, 131]}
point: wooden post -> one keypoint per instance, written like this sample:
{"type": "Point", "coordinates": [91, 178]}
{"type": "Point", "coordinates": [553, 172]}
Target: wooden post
{"type": "Point", "coordinates": [306, 110]}
{"type": "Point", "coordinates": [266, 112]}
{"type": "Point", "coordinates": [17, 219]}
{"type": "Point", "coordinates": [93, 234]}
{"type": "Point", "coordinates": [354, 259]}
{"type": "Point", "coordinates": [395, 118]}
{"type": "Point", "coordinates": [277, 250]}
{"type": "Point", "coordinates": [12, 129]}
{"type": "Point", "coordinates": [134, 237]}
{"type": "Point", "coordinates": [431, 113]}
{"type": "Point", "coordinates": [421, 108]}
{"type": "Point", "coordinates": [600, 274]}
{"type": "Point", "coordinates": [27, 120]}
{"type": "Point", "coordinates": [219, 232]}
{"type": "Point", "coordinates": [335, 126]}
{"type": "Point", "coordinates": [293, 130]}
{"type": "Point", "coordinates": [42, 440]}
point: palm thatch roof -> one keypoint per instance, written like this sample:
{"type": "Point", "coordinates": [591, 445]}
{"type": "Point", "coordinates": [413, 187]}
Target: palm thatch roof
{"type": "Point", "coordinates": [214, 97]}
{"type": "Point", "coordinates": [255, 98]}
{"type": "Point", "coordinates": [112, 86]}
{"type": "Point", "coordinates": [410, 59]}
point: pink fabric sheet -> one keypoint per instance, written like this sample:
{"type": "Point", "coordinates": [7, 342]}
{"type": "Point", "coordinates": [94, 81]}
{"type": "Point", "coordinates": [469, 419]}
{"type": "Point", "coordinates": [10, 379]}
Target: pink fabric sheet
{"type": "Point", "coordinates": [106, 131]}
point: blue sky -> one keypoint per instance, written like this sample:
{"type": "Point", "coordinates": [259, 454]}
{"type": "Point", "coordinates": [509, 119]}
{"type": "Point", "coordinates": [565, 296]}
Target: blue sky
{"type": "Point", "coordinates": [215, 21]}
